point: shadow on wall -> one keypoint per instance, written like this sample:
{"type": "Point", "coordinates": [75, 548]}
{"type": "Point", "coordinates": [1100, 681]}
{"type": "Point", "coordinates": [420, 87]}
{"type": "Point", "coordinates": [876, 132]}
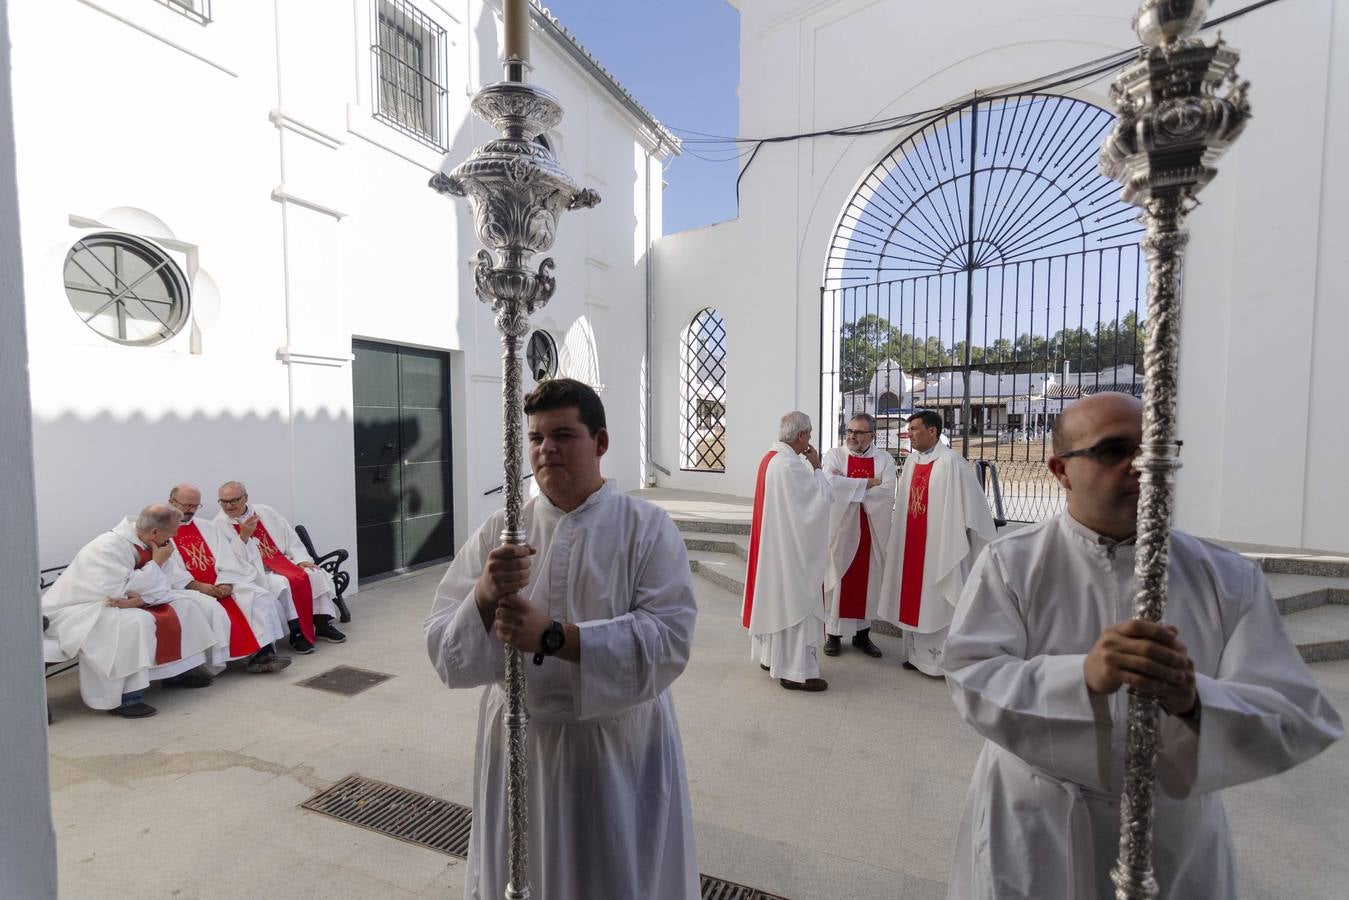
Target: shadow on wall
{"type": "Point", "coordinates": [93, 471]}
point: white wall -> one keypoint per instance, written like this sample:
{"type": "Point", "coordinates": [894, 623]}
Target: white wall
{"type": "Point", "coordinates": [1263, 312]}
{"type": "Point", "coordinates": [248, 145]}
{"type": "Point", "coordinates": [27, 841]}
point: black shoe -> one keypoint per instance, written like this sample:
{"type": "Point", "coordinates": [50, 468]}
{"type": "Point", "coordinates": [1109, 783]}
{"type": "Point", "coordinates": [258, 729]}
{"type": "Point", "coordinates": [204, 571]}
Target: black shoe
{"type": "Point", "coordinates": [910, 666]}
{"type": "Point", "coordinates": [762, 666]}
{"type": "Point", "coordinates": [271, 663]}
{"type": "Point", "coordinates": [133, 711]}
{"type": "Point", "coordinates": [188, 680]}
{"type": "Point", "coordinates": [814, 685]}
{"type": "Point", "coordinates": [300, 644]}
{"type": "Point", "coordinates": [862, 641]}
{"type": "Point", "coordinates": [328, 632]}
{"type": "Point", "coordinates": [832, 645]}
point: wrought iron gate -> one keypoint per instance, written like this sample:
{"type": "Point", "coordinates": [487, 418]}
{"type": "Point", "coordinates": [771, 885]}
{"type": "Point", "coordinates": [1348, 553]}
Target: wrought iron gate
{"type": "Point", "coordinates": [986, 270]}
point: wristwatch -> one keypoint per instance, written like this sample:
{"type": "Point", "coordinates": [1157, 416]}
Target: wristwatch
{"type": "Point", "coordinates": [550, 642]}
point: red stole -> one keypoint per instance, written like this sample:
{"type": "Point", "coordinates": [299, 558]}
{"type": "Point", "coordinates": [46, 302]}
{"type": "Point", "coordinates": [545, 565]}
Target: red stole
{"type": "Point", "coordinates": [915, 546]}
{"type": "Point", "coordinates": [852, 600]}
{"type": "Point", "coordinates": [273, 560]}
{"type": "Point", "coordinates": [200, 563]}
{"type": "Point", "coordinates": [168, 630]}
{"type": "Point", "coordinates": [755, 530]}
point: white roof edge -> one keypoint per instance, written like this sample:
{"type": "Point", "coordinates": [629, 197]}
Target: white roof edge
{"type": "Point", "coordinates": [549, 24]}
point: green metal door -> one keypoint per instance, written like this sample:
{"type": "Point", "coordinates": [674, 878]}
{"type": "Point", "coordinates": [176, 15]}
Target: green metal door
{"type": "Point", "coordinates": [404, 510]}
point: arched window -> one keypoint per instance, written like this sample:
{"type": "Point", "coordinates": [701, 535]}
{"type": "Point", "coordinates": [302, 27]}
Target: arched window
{"type": "Point", "coordinates": [703, 378]}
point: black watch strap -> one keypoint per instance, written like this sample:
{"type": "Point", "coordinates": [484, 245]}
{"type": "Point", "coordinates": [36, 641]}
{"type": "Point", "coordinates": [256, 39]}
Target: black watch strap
{"type": "Point", "coordinates": [552, 640]}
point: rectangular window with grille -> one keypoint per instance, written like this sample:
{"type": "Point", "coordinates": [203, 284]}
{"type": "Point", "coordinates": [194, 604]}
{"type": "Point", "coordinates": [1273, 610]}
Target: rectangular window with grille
{"type": "Point", "coordinates": [196, 10]}
{"type": "Point", "coordinates": [409, 72]}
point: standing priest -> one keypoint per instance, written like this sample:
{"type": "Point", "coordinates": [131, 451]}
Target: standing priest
{"type": "Point", "coordinates": [602, 598]}
{"type": "Point", "coordinates": [212, 557]}
{"type": "Point", "coordinates": [1042, 644]}
{"type": "Point", "coordinates": [941, 522]}
{"type": "Point", "coordinates": [789, 556]}
{"type": "Point", "coordinates": [857, 537]}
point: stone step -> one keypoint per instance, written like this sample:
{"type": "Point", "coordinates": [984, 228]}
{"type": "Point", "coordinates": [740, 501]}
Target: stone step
{"type": "Point", "coordinates": [1315, 609]}
{"type": "Point", "coordinates": [1300, 564]}
{"type": "Point", "coordinates": [711, 525]}
{"type": "Point", "coordinates": [1321, 634]}
{"type": "Point", "coordinates": [715, 542]}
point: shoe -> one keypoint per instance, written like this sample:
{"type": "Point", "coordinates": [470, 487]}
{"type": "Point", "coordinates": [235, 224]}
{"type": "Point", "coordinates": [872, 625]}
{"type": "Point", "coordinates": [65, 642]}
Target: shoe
{"type": "Point", "coordinates": [270, 664]}
{"type": "Point", "coordinates": [833, 645]}
{"type": "Point", "coordinates": [188, 680]}
{"type": "Point", "coordinates": [328, 632]}
{"type": "Point", "coordinates": [762, 666]}
{"type": "Point", "coordinates": [300, 644]}
{"type": "Point", "coordinates": [133, 711]}
{"type": "Point", "coordinates": [910, 666]}
{"type": "Point", "coordinates": [814, 685]}
{"type": "Point", "coordinates": [862, 641]}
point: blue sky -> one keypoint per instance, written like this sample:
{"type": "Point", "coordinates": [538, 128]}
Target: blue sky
{"type": "Point", "coordinates": [682, 62]}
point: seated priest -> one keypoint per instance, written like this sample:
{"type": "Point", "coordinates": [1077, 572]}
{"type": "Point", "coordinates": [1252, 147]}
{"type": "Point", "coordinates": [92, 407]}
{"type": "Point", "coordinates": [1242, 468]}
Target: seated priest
{"type": "Point", "coordinates": [121, 609]}
{"type": "Point", "coordinates": [215, 560]}
{"type": "Point", "coordinates": [278, 555]}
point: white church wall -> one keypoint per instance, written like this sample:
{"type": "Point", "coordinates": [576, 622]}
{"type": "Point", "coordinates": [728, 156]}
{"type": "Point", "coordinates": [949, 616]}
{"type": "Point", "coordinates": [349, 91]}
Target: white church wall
{"type": "Point", "coordinates": [302, 223]}
{"type": "Point", "coordinates": [1257, 289]}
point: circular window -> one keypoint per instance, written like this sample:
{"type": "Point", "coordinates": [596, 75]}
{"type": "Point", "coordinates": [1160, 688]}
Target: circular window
{"type": "Point", "coordinates": [126, 289]}
{"type": "Point", "coordinates": [541, 355]}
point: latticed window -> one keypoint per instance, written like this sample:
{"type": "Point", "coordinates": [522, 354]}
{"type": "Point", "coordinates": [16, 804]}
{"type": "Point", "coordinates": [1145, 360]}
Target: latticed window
{"type": "Point", "coordinates": [126, 289]}
{"type": "Point", "coordinates": [196, 10]}
{"type": "Point", "coordinates": [410, 71]}
{"type": "Point", "coordinates": [703, 376]}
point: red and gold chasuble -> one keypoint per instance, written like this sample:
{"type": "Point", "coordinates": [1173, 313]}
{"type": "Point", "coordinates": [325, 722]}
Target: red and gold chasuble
{"type": "Point", "coordinates": [915, 546]}
{"type": "Point", "coordinates": [301, 593]}
{"type": "Point", "coordinates": [755, 530]}
{"type": "Point", "coordinates": [168, 630]}
{"type": "Point", "coordinates": [852, 600]}
{"type": "Point", "coordinates": [200, 563]}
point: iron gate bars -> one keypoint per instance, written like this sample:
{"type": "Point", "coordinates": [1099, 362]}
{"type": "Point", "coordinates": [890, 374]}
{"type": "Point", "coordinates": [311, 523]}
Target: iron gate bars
{"type": "Point", "coordinates": [1173, 125]}
{"type": "Point", "coordinates": [518, 192]}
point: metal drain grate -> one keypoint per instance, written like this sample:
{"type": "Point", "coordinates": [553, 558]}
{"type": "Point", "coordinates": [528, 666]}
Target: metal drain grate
{"type": "Point", "coordinates": [718, 889]}
{"type": "Point", "coordinates": [345, 680]}
{"type": "Point", "coordinates": [400, 813]}
{"type": "Point", "coordinates": [444, 826]}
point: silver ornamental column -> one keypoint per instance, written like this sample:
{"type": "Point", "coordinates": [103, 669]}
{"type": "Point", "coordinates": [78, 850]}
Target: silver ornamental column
{"type": "Point", "coordinates": [1173, 125]}
{"type": "Point", "coordinates": [517, 192]}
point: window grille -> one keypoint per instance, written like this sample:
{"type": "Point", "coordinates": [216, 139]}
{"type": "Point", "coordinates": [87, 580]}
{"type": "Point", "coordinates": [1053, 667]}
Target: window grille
{"type": "Point", "coordinates": [196, 10]}
{"type": "Point", "coordinates": [704, 383]}
{"type": "Point", "coordinates": [409, 72]}
{"type": "Point", "coordinates": [126, 289]}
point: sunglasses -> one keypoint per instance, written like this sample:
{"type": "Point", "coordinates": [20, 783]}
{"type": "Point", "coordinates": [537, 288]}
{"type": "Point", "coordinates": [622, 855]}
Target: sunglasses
{"type": "Point", "coordinates": [1112, 451]}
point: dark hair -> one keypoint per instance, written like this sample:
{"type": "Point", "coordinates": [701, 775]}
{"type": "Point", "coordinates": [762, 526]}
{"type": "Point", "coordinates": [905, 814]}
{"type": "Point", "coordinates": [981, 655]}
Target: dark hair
{"type": "Point", "coordinates": [929, 418]}
{"type": "Point", "coordinates": [560, 393]}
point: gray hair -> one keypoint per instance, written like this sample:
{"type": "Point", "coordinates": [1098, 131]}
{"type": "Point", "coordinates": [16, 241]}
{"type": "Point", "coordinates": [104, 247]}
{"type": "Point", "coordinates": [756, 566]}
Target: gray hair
{"type": "Point", "coordinates": [237, 485]}
{"type": "Point", "coordinates": [792, 425]}
{"type": "Point", "coordinates": [158, 517]}
{"type": "Point", "coordinates": [865, 417]}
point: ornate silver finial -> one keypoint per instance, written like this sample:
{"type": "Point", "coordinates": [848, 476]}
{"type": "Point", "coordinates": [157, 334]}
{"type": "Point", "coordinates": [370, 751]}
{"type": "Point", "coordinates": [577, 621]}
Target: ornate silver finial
{"type": "Point", "coordinates": [1161, 22]}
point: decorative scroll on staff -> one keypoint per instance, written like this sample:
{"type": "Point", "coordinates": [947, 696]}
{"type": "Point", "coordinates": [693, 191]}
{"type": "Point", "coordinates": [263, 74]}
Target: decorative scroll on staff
{"type": "Point", "coordinates": [1173, 125]}
{"type": "Point", "coordinates": [517, 191]}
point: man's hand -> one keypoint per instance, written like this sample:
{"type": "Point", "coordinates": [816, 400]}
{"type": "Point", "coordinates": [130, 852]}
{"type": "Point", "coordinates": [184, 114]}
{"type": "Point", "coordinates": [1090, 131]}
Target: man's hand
{"type": "Point", "coordinates": [247, 527]}
{"type": "Point", "coordinates": [872, 482]}
{"type": "Point", "coordinates": [162, 553]}
{"type": "Point", "coordinates": [520, 623]}
{"type": "Point", "coordinates": [132, 600]}
{"type": "Point", "coordinates": [836, 472]}
{"type": "Point", "coordinates": [221, 591]}
{"type": "Point", "coordinates": [813, 456]}
{"type": "Point", "coordinates": [307, 565]}
{"type": "Point", "coordinates": [1146, 656]}
{"type": "Point", "coordinates": [506, 571]}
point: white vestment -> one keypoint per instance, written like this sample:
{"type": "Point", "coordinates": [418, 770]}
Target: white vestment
{"type": "Point", "coordinates": [116, 647]}
{"type": "Point", "coordinates": [1042, 814]}
{"type": "Point", "coordinates": [257, 603]}
{"type": "Point", "coordinates": [958, 525]}
{"type": "Point", "coordinates": [291, 547]}
{"type": "Point", "coordinates": [845, 534]}
{"type": "Point", "coordinates": [609, 812]}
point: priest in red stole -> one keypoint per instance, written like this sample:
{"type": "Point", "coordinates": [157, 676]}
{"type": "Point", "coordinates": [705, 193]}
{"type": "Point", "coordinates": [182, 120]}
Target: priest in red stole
{"type": "Point", "coordinates": [120, 607]}
{"type": "Point", "coordinates": [789, 554]}
{"type": "Point", "coordinates": [940, 524]}
{"type": "Point", "coordinates": [218, 570]}
{"type": "Point", "coordinates": [857, 536]}
{"type": "Point", "coordinates": [277, 554]}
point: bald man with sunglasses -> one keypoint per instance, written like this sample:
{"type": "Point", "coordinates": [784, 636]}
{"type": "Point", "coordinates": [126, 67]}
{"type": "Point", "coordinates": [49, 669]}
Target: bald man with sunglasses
{"type": "Point", "coordinates": [1042, 642]}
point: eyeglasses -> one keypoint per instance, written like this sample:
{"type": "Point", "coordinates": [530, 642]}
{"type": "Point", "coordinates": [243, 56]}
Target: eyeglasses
{"type": "Point", "coordinates": [1111, 451]}
{"type": "Point", "coordinates": [230, 501]}
{"type": "Point", "coordinates": [852, 433]}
